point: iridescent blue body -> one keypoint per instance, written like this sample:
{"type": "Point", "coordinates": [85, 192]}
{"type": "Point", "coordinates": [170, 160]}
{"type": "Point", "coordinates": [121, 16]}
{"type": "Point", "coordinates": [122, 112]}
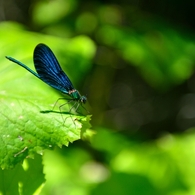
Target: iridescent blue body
{"type": "Point", "coordinates": [50, 72]}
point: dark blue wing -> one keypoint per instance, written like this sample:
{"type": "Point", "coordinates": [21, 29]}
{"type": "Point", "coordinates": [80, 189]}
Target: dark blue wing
{"type": "Point", "coordinates": [49, 69]}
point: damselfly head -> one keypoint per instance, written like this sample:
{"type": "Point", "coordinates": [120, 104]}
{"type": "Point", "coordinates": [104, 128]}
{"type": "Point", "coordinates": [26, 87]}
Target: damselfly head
{"type": "Point", "coordinates": [83, 99]}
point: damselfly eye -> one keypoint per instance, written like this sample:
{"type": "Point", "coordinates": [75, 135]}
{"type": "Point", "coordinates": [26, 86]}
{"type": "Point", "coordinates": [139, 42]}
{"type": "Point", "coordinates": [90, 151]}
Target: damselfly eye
{"type": "Point", "coordinates": [83, 99]}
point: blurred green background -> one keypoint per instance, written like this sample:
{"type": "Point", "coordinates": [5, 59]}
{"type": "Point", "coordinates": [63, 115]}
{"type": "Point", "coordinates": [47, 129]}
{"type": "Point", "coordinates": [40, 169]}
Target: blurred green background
{"type": "Point", "coordinates": [140, 87]}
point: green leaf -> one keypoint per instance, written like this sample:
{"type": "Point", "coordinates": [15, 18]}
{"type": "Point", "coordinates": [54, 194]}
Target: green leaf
{"type": "Point", "coordinates": [28, 123]}
{"type": "Point", "coordinates": [23, 179]}
{"type": "Point", "coordinates": [162, 55]}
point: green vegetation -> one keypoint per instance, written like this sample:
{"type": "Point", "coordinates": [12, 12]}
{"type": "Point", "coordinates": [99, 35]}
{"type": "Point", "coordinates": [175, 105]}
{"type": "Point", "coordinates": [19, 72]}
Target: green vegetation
{"type": "Point", "coordinates": [136, 70]}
